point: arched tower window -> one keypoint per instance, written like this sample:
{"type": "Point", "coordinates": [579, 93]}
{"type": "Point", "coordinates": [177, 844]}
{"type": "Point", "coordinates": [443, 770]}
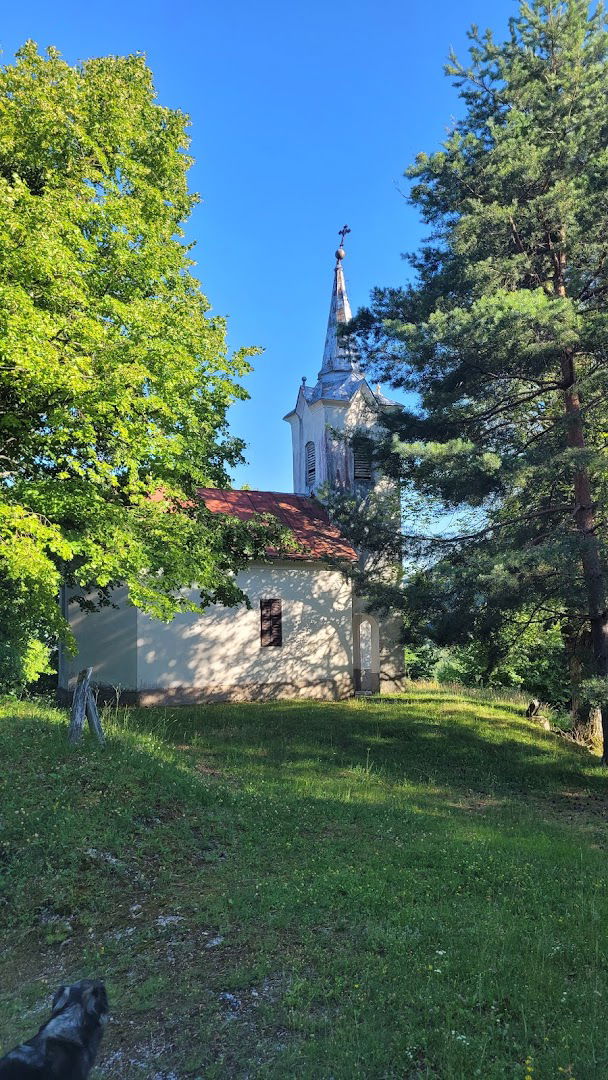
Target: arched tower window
{"type": "Point", "coordinates": [310, 464]}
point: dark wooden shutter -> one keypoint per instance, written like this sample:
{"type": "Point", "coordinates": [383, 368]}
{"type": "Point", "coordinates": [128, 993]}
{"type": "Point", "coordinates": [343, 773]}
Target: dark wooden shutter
{"type": "Point", "coordinates": [310, 464]}
{"type": "Point", "coordinates": [363, 464]}
{"type": "Point", "coordinates": [271, 627]}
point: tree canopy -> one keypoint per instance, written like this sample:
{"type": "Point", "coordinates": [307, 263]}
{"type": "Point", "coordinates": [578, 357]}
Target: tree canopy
{"type": "Point", "coordinates": [114, 379]}
{"type": "Point", "coordinates": [502, 335]}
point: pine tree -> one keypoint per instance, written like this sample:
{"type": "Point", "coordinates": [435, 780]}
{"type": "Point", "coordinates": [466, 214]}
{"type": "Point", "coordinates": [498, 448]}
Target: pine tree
{"type": "Point", "coordinates": [503, 333]}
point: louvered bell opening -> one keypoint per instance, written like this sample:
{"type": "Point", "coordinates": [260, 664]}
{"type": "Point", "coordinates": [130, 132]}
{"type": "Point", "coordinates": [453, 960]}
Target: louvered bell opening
{"type": "Point", "coordinates": [310, 464]}
{"type": "Point", "coordinates": [271, 623]}
{"type": "Point", "coordinates": [363, 464]}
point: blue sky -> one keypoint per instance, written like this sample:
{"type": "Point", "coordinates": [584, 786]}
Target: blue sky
{"type": "Point", "coordinates": [304, 117]}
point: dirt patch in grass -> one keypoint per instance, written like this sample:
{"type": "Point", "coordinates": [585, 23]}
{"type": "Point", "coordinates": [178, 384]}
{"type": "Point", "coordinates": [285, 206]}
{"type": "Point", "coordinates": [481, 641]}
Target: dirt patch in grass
{"type": "Point", "coordinates": [479, 805]}
{"type": "Point", "coordinates": [207, 770]}
{"type": "Point", "coordinates": [587, 803]}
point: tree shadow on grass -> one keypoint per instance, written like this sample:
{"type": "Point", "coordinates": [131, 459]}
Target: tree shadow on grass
{"type": "Point", "coordinates": [382, 842]}
{"type": "Point", "coordinates": [469, 744]}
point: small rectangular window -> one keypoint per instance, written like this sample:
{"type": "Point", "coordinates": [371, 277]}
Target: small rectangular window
{"type": "Point", "coordinates": [271, 628]}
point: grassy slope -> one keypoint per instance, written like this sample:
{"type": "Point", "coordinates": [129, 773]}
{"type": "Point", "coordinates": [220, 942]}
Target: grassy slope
{"type": "Point", "coordinates": [413, 888]}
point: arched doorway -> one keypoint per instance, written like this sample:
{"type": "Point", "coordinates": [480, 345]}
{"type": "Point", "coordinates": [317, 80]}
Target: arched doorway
{"type": "Point", "coordinates": [367, 654]}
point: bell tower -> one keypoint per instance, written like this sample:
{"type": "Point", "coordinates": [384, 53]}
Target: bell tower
{"type": "Point", "coordinates": [326, 459]}
{"type": "Point", "coordinates": [340, 404]}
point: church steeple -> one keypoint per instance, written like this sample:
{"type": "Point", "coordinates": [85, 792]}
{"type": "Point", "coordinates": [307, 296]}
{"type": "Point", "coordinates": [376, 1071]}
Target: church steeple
{"type": "Point", "coordinates": [340, 402]}
{"type": "Point", "coordinates": [339, 356]}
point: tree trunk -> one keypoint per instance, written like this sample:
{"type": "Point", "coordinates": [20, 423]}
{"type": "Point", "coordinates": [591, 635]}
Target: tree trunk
{"type": "Point", "coordinates": [595, 723]}
{"type": "Point", "coordinates": [584, 515]}
{"type": "Point", "coordinates": [591, 559]}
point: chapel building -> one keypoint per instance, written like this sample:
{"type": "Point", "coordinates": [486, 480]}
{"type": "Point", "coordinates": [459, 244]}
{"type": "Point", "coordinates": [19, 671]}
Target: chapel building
{"type": "Point", "coordinates": [307, 634]}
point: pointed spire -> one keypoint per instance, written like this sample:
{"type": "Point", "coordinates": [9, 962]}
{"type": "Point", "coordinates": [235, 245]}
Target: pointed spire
{"type": "Point", "coordinates": [339, 356]}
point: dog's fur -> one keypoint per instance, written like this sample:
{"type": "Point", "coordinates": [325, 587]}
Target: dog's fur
{"type": "Point", "coordinates": [65, 1047]}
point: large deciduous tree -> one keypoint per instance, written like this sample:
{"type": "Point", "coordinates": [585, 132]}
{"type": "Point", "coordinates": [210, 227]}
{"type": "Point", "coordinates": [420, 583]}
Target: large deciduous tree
{"type": "Point", "coordinates": [114, 379]}
{"type": "Point", "coordinates": [503, 332]}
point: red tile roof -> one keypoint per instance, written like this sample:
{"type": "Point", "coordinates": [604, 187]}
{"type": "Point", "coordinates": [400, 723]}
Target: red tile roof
{"type": "Point", "coordinates": [305, 518]}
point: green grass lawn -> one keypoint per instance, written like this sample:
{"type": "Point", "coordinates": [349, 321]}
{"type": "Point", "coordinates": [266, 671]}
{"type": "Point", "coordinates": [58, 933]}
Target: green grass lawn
{"type": "Point", "coordinates": [410, 888]}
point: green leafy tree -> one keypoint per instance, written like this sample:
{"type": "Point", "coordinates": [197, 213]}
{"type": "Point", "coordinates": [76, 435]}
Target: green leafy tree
{"type": "Point", "coordinates": [525, 654]}
{"type": "Point", "coordinates": [503, 332]}
{"type": "Point", "coordinates": [114, 379]}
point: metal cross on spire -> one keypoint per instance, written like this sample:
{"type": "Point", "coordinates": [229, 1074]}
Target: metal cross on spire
{"type": "Point", "coordinates": [340, 253]}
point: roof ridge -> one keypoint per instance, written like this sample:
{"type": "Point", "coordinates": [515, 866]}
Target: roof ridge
{"type": "Point", "coordinates": [254, 491]}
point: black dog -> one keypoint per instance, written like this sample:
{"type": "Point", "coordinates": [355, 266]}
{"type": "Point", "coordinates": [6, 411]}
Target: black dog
{"type": "Point", "coordinates": [65, 1047]}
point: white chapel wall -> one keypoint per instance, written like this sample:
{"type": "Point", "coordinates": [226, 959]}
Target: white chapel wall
{"type": "Point", "coordinates": [217, 655]}
{"type": "Point", "coordinates": [107, 642]}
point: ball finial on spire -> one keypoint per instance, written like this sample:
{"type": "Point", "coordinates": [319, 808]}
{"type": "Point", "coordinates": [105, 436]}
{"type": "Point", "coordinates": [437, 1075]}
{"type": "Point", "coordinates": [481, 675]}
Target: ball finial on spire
{"type": "Point", "coordinates": [340, 253]}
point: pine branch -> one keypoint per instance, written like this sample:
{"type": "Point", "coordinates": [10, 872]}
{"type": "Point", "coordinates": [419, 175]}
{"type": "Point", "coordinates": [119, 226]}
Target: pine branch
{"type": "Point", "coordinates": [512, 404]}
{"type": "Point", "coordinates": [491, 528]}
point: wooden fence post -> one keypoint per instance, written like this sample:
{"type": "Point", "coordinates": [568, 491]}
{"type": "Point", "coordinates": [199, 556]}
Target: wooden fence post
{"type": "Point", "coordinates": [83, 704]}
{"type": "Point", "coordinates": [93, 718]}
